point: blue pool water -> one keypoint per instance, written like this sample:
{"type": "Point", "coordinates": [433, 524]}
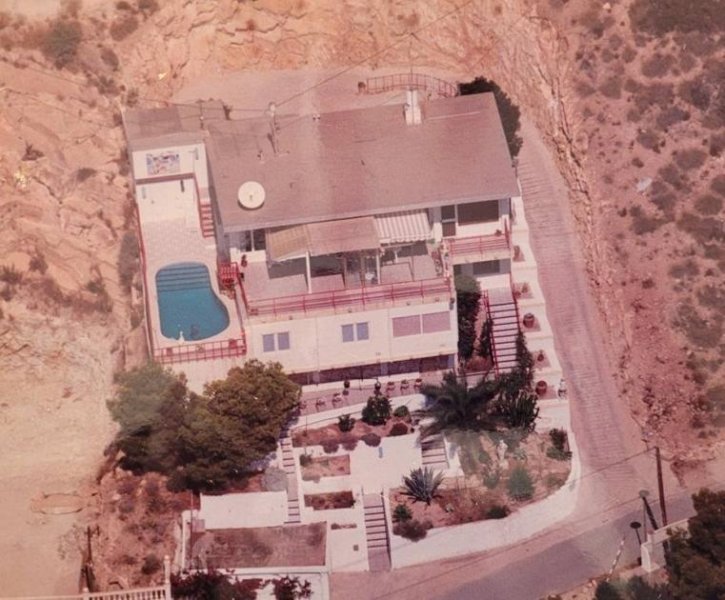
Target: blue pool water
{"type": "Point", "coordinates": [188, 304]}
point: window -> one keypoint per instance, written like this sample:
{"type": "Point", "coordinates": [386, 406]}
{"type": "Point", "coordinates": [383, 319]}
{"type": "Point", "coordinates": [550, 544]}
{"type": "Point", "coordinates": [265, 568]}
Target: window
{"type": "Point", "coordinates": [358, 332]}
{"type": "Point", "coordinates": [437, 321]}
{"type": "Point", "coordinates": [362, 331]}
{"type": "Point", "coordinates": [428, 323]}
{"type": "Point", "coordinates": [448, 220]}
{"type": "Point", "coordinates": [486, 267]}
{"type": "Point", "coordinates": [268, 340]}
{"type": "Point", "coordinates": [406, 326]}
{"type": "Point", "coordinates": [478, 212]}
{"type": "Point", "coordinates": [259, 239]}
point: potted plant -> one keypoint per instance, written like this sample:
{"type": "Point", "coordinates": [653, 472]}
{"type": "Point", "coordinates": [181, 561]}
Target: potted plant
{"type": "Point", "coordinates": [541, 387]}
{"type": "Point", "coordinates": [529, 320]}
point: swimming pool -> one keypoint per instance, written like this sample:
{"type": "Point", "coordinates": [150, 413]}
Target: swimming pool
{"type": "Point", "coordinates": [188, 304]}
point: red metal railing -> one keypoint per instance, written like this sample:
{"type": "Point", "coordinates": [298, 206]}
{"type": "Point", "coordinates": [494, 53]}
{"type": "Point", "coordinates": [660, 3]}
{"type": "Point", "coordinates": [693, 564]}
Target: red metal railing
{"type": "Point", "coordinates": [202, 351]}
{"type": "Point", "coordinates": [492, 337]}
{"type": "Point", "coordinates": [481, 244]}
{"type": "Point", "coordinates": [374, 294]}
{"type": "Point", "coordinates": [405, 81]}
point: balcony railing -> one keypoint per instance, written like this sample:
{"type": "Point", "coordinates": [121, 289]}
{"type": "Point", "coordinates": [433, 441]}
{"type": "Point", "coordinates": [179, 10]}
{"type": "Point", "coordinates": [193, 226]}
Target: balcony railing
{"type": "Point", "coordinates": [191, 352]}
{"type": "Point", "coordinates": [481, 244]}
{"type": "Point", "coordinates": [439, 288]}
{"type": "Point", "coordinates": [407, 81]}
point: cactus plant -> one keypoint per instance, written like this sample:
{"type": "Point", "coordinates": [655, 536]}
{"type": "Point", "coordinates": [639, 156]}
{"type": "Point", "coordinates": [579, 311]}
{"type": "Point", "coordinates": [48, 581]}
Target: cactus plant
{"type": "Point", "coordinates": [422, 484]}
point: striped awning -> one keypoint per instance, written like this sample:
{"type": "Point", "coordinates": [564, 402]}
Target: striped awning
{"type": "Point", "coordinates": [320, 239]}
{"type": "Point", "coordinates": [403, 227]}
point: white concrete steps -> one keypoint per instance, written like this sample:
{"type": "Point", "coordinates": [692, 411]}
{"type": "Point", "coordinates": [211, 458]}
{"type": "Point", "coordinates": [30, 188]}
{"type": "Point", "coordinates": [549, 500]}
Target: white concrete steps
{"type": "Point", "coordinates": [290, 468]}
{"type": "Point", "coordinates": [376, 533]}
{"type": "Point", "coordinates": [207, 220]}
{"type": "Point", "coordinates": [288, 457]}
{"type": "Point", "coordinates": [433, 452]}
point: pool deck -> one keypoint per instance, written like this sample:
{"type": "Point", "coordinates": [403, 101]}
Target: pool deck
{"type": "Point", "coordinates": [170, 242]}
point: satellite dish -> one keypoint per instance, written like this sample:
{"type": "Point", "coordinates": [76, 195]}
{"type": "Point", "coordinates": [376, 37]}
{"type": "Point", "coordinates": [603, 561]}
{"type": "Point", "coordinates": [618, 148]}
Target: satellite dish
{"type": "Point", "coordinates": [251, 195]}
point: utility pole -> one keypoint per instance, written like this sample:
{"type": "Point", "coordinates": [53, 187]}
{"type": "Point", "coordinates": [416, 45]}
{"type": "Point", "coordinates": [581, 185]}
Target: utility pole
{"type": "Point", "coordinates": [661, 486]}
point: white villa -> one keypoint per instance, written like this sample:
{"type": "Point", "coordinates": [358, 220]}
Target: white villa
{"type": "Point", "coordinates": [327, 242]}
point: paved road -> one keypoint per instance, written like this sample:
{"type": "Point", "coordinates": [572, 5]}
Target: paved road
{"type": "Point", "coordinates": [610, 444]}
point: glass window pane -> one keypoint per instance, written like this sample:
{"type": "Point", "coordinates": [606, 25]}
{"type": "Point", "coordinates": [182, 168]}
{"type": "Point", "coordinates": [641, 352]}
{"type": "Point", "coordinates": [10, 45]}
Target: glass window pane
{"type": "Point", "coordinates": [486, 267]}
{"type": "Point", "coordinates": [268, 342]}
{"type": "Point", "coordinates": [406, 326]}
{"type": "Point", "coordinates": [478, 212]}
{"type": "Point", "coordinates": [449, 229]}
{"type": "Point", "coordinates": [362, 331]}
{"type": "Point", "coordinates": [437, 321]}
{"type": "Point", "coordinates": [283, 341]}
{"type": "Point", "coordinates": [347, 333]}
{"type": "Point", "coordinates": [448, 213]}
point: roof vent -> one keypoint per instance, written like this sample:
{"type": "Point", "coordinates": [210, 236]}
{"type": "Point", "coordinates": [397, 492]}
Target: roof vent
{"type": "Point", "coordinates": [251, 195]}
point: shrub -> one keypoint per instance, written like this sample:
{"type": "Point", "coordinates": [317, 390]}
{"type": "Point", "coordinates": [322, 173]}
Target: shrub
{"type": "Point", "coordinates": [151, 564]}
{"type": "Point", "coordinates": [401, 412]}
{"type": "Point", "coordinates": [123, 27]}
{"type": "Point", "coordinates": [148, 6]}
{"type": "Point", "coordinates": [664, 16]}
{"type": "Point", "coordinates": [109, 57]}
{"type": "Point", "coordinates": [557, 454]}
{"type": "Point", "coordinates": [128, 259]}
{"type": "Point", "coordinates": [377, 410]}
{"type": "Point", "coordinates": [717, 185]}
{"type": "Point", "coordinates": [330, 446]}
{"type": "Point", "coordinates": [692, 158]}
{"type": "Point", "coordinates": [643, 223]}
{"type": "Point", "coordinates": [606, 591]}
{"type": "Point", "coordinates": [468, 296]}
{"type": "Point", "coordinates": [518, 411]}
{"type": "Point", "coordinates": [84, 173]}
{"type": "Point", "coordinates": [305, 460]}
{"type": "Point", "coordinates": [708, 204]}
{"type": "Point", "coordinates": [612, 87]}
{"type": "Point", "coordinates": [491, 478]}
{"type": "Point", "coordinates": [498, 511]}
{"type": "Point", "coordinates": [371, 439]}
{"type": "Point", "coordinates": [402, 513]}
{"type": "Point", "coordinates": [10, 275]}
{"type": "Point", "coordinates": [291, 588]}
{"type": "Point", "coordinates": [520, 484]}
{"type": "Point", "coordinates": [422, 484]}
{"type": "Point", "coordinates": [412, 530]}
{"type": "Point", "coordinates": [349, 442]}
{"type": "Point", "coordinates": [61, 42]}
{"type": "Point", "coordinates": [399, 429]}
{"type": "Point", "coordinates": [657, 65]}
{"type": "Point", "coordinates": [345, 423]}
{"type": "Point", "coordinates": [38, 263]}
{"type": "Point", "coordinates": [559, 438]}
{"type": "Point", "coordinates": [702, 229]}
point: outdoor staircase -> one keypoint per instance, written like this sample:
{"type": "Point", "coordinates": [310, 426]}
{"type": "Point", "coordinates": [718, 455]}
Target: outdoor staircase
{"type": "Point", "coordinates": [206, 217]}
{"type": "Point", "coordinates": [433, 450]}
{"type": "Point", "coordinates": [376, 533]}
{"type": "Point", "coordinates": [290, 468]}
{"type": "Point", "coordinates": [503, 311]}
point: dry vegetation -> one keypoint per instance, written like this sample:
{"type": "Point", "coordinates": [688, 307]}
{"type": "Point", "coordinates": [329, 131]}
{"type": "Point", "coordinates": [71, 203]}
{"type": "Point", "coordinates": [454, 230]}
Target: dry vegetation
{"type": "Point", "coordinates": [651, 90]}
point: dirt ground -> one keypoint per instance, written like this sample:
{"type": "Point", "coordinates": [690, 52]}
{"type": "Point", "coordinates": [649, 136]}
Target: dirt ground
{"type": "Point", "coordinates": [326, 466]}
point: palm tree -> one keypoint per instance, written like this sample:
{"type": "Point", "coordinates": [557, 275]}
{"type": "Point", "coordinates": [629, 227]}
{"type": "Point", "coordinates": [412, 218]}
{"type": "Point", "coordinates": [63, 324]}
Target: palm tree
{"type": "Point", "coordinates": [422, 484]}
{"type": "Point", "coordinates": [456, 406]}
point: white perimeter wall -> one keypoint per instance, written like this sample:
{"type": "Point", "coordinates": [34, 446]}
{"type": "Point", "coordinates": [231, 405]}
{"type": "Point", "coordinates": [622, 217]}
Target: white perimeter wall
{"type": "Point", "coordinates": [316, 342]}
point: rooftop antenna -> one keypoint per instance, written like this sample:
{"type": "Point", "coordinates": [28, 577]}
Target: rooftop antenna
{"type": "Point", "coordinates": [273, 127]}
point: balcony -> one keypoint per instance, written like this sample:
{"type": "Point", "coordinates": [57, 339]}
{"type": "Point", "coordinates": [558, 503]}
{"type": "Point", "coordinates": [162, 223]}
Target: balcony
{"type": "Point", "coordinates": [287, 289]}
{"type": "Point", "coordinates": [491, 246]}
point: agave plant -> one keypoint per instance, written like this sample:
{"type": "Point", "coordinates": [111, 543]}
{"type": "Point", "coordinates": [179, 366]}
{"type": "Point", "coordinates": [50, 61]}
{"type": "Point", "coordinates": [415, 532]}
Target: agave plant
{"type": "Point", "coordinates": [422, 484]}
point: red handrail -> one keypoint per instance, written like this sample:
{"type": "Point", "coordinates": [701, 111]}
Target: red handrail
{"type": "Point", "coordinates": [489, 318]}
{"type": "Point", "coordinates": [202, 351]}
{"type": "Point", "coordinates": [349, 297]}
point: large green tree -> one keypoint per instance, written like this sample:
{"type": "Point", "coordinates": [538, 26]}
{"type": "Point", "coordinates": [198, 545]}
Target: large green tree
{"type": "Point", "coordinates": [149, 408]}
{"type": "Point", "coordinates": [235, 423]}
{"type": "Point", "coordinates": [696, 561]}
{"type": "Point", "coordinates": [201, 441]}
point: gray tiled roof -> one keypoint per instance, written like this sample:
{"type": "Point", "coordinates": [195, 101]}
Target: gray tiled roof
{"type": "Point", "coordinates": [360, 162]}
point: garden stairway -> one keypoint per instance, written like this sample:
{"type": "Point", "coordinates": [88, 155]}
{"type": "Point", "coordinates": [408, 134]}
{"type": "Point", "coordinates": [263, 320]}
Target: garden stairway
{"type": "Point", "coordinates": [433, 451]}
{"type": "Point", "coordinates": [290, 468]}
{"type": "Point", "coordinates": [207, 220]}
{"type": "Point", "coordinates": [376, 533]}
{"type": "Point", "coordinates": [502, 309]}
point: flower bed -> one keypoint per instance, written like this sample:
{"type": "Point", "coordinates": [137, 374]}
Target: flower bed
{"type": "Point", "coordinates": [330, 501]}
{"type": "Point", "coordinates": [325, 466]}
{"type": "Point", "coordinates": [490, 489]}
{"type": "Point", "coordinates": [331, 434]}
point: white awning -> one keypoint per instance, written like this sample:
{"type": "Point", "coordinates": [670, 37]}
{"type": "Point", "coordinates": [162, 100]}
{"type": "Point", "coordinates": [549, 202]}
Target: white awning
{"type": "Point", "coordinates": [320, 239]}
{"type": "Point", "coordinates": [403, 227]}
